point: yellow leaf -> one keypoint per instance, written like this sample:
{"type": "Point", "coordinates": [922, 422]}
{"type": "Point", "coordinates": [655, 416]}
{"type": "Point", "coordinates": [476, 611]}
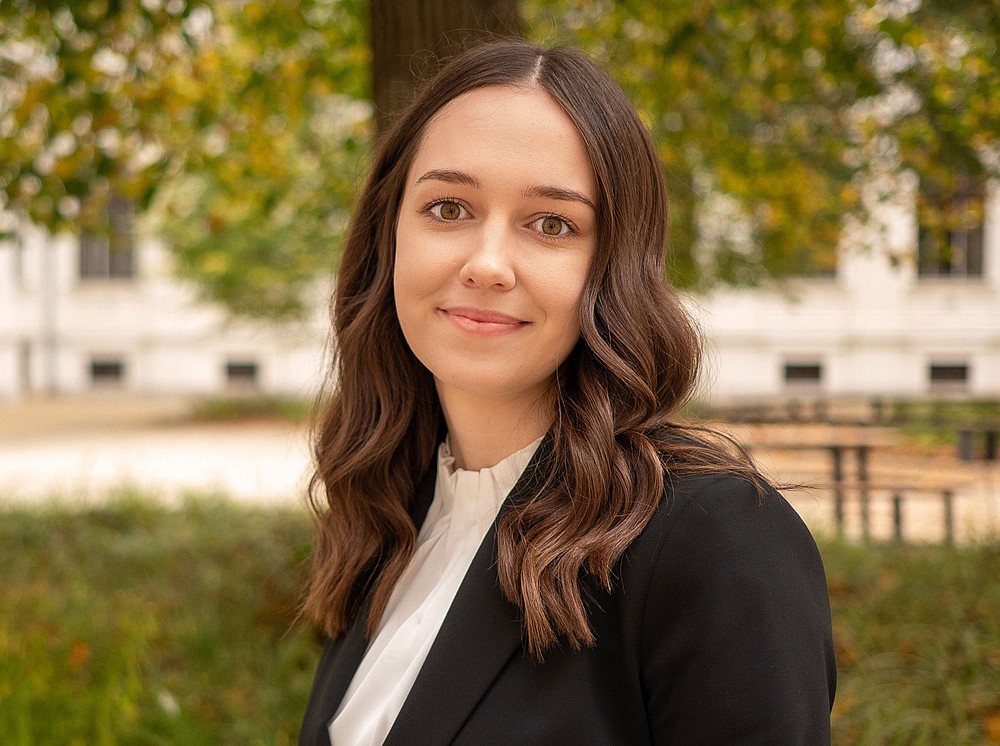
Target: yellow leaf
{"type": "Point", "coordinates": [991, 725]}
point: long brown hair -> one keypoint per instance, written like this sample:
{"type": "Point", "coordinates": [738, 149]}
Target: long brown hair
{"type": "Point", "coordinates": [613, 443]}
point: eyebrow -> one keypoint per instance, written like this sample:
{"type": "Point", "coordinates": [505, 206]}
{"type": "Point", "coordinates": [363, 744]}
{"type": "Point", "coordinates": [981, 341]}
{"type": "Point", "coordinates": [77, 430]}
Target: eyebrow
{"type": "Point", "coordinates": [552, 192]}
{"type": "Point", "coordinates": [450, 177]}
{"type": "Point", "coordinates": [567, 195]}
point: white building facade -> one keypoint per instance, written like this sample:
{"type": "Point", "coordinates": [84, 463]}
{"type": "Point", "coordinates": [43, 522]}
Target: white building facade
{"type": "Point", "coordinates": [887, 324]}
{"type": "Point", "coordinates": [70, 323]}
{"type": "Point", "coordinates": [76, 316]}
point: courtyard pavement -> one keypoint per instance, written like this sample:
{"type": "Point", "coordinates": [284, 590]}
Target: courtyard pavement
{"type": "Point", "coordinates": [77, 450]}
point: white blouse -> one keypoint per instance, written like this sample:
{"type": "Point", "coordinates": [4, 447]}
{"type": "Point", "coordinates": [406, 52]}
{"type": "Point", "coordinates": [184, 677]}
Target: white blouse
{"type": "Point", "coordinates": [464, 507]}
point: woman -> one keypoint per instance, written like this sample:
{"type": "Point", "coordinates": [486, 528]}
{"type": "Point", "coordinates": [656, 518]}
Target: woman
{"type": "Point", "coordinates": [516, 543]}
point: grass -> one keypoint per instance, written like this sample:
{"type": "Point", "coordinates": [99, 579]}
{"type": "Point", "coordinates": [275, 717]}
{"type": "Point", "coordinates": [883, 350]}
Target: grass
{"type": "Point", "coordinates": [258, 407]}
{"type": "Point", "coordinates": [136, 624]}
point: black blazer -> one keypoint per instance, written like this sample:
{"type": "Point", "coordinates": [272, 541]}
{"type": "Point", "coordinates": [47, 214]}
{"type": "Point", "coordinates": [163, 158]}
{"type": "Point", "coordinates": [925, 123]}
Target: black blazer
{"type": "Point", "coordinates": [717, 632]}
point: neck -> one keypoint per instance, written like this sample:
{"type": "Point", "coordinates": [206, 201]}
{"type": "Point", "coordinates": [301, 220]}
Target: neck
{"type": "Point", "coordinates": [483, 431]}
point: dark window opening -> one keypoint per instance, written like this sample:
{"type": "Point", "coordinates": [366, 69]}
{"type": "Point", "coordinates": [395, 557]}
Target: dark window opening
{"type": "Point", "coordinates": [949, 374]}
{"type": "Point", "coordinates": [108, 252]}
{"type": "Point", "coordinates": [243, 374]}
{"type": "Point", "coordinates": [107, 371]}
{"type": "Point", "coordinates": [950, 237]}
{"type": "Point", "coordinates": [803, 372]}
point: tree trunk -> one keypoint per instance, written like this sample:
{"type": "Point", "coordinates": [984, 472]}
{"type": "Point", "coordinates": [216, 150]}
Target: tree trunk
{"type": "Point", "coordinates": [410, 40]}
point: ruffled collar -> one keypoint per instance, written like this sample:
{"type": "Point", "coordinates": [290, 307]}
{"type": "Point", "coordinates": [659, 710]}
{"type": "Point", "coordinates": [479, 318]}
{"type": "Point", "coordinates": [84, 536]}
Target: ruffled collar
{"type": "Point", "coordinates": [476, 496]}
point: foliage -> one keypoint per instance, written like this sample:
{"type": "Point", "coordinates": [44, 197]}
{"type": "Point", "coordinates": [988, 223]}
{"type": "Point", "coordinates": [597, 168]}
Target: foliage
{"type": "Point", "coordinates": [239, 123]}
{"type": "Point", "coordinates": [132, 623]}
{"type": "Point", "coordinates": [939, 69]}
{"type": "Point", "coordinates": [938, 421]}
{"type": "Point", "coordinates": [261, 199]}
{"type": "Point", "coordinates": [776, 120]}
{"type": "Point", "coordinates": [81, 92]}
{"type": "Point", "coordinates": [917, 630]}
{"type": "Point", "coordinates": [230, 408]}
{"type": "Point", "coordinates": [243, 123]}
{"type": "Point", "coordinates": [135, 624]}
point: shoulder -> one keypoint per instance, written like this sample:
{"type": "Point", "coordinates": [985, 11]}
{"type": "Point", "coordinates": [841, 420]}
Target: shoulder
{"type": "Point", "coordinates": [721, 503]}
{"type": "Point", "coordinates": [721, 533]}
{"type": "Point", "coordinates": [723, 512]}
{"type": "Point", "coordinates": [734, 610]}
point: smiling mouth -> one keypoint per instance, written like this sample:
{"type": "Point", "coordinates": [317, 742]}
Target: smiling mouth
{"type": "Point", "coordinates": [482, 322]}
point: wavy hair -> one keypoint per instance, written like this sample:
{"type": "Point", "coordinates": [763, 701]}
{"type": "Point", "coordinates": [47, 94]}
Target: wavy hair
{"type": "Point", "coordinates": [614, 446]}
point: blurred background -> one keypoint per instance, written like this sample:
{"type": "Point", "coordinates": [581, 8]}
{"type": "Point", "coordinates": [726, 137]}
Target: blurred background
{"type": "Point", "coordinates": [175, 181]}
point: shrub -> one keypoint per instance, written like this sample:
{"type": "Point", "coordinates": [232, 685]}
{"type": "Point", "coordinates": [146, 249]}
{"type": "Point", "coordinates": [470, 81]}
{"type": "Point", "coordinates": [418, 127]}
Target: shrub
{"type": "Point", "coordinates": [138, 624]}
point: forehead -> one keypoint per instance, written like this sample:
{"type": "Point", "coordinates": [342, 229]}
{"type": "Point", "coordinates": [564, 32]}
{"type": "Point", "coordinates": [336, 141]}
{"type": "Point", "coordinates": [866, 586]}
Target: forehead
{"type": "Point", "coordinates": [506, 136]}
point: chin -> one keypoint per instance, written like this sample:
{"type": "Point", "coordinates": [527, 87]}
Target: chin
{"type": "Point", "coordinates": [491, 384]}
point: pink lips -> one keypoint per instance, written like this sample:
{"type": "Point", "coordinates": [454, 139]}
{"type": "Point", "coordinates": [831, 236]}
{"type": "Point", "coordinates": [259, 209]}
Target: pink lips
{"type": "Point", "coordinates": [481, 321]}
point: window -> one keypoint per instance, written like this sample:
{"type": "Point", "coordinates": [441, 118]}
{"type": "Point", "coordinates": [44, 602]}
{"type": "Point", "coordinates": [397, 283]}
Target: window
{"type": "Point", "coordinates": [948, 376]}
{"type": "Point", "coordinates": [803, 373]}
{"type": "Point", "coordinates": [241, 374]}
{"type": "Point", "coordinates": [106, 372]}
{"type": "Point", "coordinates": [950, 238]}
{"type": "Point", "coordinates": [109, 253]}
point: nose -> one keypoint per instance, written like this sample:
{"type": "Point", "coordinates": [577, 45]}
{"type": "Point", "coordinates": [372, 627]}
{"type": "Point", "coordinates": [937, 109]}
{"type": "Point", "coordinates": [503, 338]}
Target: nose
{"type": "Point", "coordinates": [488, 264]}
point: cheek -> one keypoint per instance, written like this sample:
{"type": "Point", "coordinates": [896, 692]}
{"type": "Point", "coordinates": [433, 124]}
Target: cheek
{"type": "Point", "coordinates": [407, 297]}
{"type": "Point", "coordinates": [420, 263]}
{"type": "Point", "coordinates": [417, 279]}
{"type": "Point", "coordinates": [407, 276]}
{"type": "Point", "coordinates": [561, 290]}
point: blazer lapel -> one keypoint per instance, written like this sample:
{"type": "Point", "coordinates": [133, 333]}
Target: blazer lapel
{"type": "Point", "coordinates": [349, 650]}
{"type": "Point", "coordinates": [346, 653]}
{"type": "Point", "coordinates": [479, 635]}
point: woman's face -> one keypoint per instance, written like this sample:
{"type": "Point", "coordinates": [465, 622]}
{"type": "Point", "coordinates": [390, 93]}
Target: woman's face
{"type": "Point", "coordinates": [495, 235]}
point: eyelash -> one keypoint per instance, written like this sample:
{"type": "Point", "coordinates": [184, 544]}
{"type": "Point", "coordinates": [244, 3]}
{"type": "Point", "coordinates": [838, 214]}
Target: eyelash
{"type": "Point", "coordinates": [444, 200]}
{"type": "Point", "coordinates": [571, 232]}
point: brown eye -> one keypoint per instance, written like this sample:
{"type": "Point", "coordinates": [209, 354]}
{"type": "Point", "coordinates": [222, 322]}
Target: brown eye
{"type": "Point", "coordinates": [552, 226]}
{"type": "Point", "coordinates": [449, 210]}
